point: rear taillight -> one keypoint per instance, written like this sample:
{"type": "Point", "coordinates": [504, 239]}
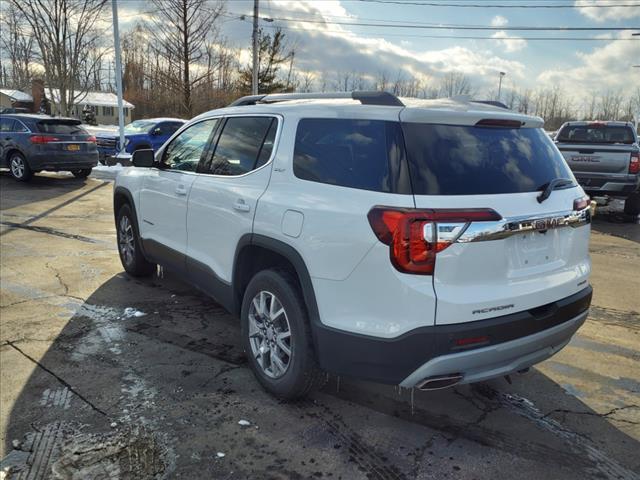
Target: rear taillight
{"type": "Point", "coordinates": [634, 163]}
{"type": "Point", "coordinates": [43, 139]}
{"type": "Point", "coordinates": [92, 139]}
{"type": "Point", "coordinates": [581, 203]}
{"type": "Point", "coordinates": [416, 236]}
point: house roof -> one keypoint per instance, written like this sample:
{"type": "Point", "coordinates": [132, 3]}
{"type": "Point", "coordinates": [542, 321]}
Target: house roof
{"type": "Point", "coordinates": [100, 99]}
{"type": "Point", "coordinates": [16, 95]}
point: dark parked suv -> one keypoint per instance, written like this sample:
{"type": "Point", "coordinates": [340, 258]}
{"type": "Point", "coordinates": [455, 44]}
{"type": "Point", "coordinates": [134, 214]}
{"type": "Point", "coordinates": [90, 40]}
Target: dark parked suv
{"type": "Point", "coordinates": [32, 143]}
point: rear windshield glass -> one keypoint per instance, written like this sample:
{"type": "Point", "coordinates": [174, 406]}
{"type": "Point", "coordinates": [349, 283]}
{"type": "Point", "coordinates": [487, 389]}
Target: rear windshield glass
{"type": "Point", "coordinates": [598, 133]}
{"type": "Point", "coordinates": [363, 154]}
{"type": "Point", "coordinates": [61, 128]}
{"type": "Point", "coordinates": [459, 160]}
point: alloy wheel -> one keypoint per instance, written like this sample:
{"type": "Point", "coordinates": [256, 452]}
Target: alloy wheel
{"type": "Point", "coordinates": [126, 240]}
{"type": "Point", "coordinates": [269, 334]}
{"type": "Point", "coordinates": [17, 166]}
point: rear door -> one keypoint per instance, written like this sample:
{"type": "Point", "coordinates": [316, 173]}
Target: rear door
{"type": "Point", "coordinates": [223, 199]}
{"type": "Point", "coordinates": [531, 256]}
{"type": "Point", "coordinates": [163, 198]}
{"type": "Point", "coordinates": [597, 147]}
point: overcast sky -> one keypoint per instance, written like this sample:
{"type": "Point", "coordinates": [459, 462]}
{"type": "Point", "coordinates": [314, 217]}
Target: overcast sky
{"type": "Point", "coordinates": [578, 66]}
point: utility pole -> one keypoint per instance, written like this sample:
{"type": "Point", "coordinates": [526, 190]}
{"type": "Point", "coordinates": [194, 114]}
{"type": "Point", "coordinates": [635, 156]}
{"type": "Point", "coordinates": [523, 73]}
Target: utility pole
{"type": "Point", "coordinates": [502, 74]}
{"type": "Point", "coordinates": [118, 72]}
{"type": "Point", "coordinates": [254, 81]}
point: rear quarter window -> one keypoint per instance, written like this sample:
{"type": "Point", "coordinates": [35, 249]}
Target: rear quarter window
{"type": "Point", "coordinates": [467, 160]}
{"type": "Point", "coordinates": [362, 154]}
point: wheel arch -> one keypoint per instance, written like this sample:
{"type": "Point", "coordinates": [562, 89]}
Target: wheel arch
{"type": "Point", "coordinates": [122, 196]}
{"type": "Point", "coordinates": [258, 252]}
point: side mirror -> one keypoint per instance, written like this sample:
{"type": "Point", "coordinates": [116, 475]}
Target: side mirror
{"type": "Point", "coordinates": [143, 158]}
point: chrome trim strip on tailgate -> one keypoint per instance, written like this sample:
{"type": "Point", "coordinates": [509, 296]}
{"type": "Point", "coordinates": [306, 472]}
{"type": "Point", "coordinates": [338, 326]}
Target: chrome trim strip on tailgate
{"type": "Point", "coordinates": [507, 227]}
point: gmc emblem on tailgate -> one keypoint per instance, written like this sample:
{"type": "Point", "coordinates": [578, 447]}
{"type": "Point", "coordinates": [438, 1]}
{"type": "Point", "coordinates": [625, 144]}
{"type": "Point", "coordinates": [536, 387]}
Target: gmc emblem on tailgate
{"type": "Point", "coordinates": [547, 223]}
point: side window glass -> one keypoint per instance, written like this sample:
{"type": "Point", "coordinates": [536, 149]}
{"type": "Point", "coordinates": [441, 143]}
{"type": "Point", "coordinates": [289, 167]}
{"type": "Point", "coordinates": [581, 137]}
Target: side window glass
{"type": "Point", "coordinates": [267, 145]}
{"type": "Point", "coordinates": [171, 128]}
{"type": "Point", "coordinates": [6, 124]}
{"type": "Point", "coordinates": [184, 152]}
{"type": "Point", "coordinates": [239, 145]}
{"type": "Point", "coordinates": [19, 127]}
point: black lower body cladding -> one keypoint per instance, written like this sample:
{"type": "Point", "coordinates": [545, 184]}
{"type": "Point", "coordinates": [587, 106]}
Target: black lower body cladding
{"type": "Point", "coordinates": [392, 360]}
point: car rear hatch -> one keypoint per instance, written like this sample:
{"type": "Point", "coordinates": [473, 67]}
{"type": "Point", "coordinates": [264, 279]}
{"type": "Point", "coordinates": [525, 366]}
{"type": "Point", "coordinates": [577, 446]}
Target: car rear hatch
{"type": "Point", "coordinates": [597, 147]}
{"type": "Point", "coordinates": [63, 136]}
{"type": "Point", "coordinates": [496, 249]}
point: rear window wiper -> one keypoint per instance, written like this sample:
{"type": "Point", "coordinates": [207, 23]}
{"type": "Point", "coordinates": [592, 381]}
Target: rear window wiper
{"type": "Point", "coordinates": [551, 186]}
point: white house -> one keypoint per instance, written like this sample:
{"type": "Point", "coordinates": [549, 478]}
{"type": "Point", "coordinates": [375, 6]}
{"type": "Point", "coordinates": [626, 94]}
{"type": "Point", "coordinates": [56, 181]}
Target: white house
{"type": "Point", "coordinates": [103, 104]}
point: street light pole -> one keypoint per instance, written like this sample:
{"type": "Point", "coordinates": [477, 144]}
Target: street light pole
{"type": "Point", "coordinates": [118, 73]}
{"type": "Point", "coordinates": [502, 74]}
{"type": "Point", "coordinates": [254, 80]}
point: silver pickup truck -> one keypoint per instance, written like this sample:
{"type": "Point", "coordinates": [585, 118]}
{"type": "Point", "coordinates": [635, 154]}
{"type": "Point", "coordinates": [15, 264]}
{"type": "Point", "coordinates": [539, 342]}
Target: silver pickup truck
{"type": "Point", "coordinates": [605, 159]}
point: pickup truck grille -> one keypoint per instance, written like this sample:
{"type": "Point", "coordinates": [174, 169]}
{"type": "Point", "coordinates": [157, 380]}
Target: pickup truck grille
{"type": "Point", "coordinates": [106, 142]}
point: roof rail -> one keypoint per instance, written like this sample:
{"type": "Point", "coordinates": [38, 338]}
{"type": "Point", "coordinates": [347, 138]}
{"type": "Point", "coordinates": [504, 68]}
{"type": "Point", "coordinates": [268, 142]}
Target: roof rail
{"type": "Point", "coordinates": [365, 98]}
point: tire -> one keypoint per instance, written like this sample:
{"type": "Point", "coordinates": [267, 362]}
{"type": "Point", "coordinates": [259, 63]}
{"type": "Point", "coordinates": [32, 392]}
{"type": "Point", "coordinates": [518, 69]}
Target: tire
{"type": "Point", "coordinates": [301, 373]}
{"type": "Point", "coordinates": [82, 173]}
{"type": "Point", "coordinates": [632, 204]}
{"type": "Point", "coordinates": [131, 255]}
{"type": "Point", "coordinates": [19, 167]}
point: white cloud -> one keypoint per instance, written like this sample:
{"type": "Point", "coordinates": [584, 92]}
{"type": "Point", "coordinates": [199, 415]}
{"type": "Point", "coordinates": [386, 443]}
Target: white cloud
{"type": "Point", "coordinates": [607, 67]}
{"type": "Point", "coordinates": [511, 43]}
{"type": "Point", "coordinates": [600, 14]}
{"type": "Point", "coordinates": [499, 21]}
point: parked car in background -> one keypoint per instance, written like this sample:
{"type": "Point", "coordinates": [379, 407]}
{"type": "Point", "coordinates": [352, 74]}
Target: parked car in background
{"type": "Point", "coordinates": [421, 243]}
{"type": "Point", "coordinates": [145, 134]}
{"type": "Point", "coordinates": [605, 159]}
{"type": "Point", "coordinates": [32, 143]}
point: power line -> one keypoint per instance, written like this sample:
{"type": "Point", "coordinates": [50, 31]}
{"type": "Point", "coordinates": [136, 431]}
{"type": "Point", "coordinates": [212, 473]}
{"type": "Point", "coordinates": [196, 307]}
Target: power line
{"type": "Point", "coordinates": [469, 37]}
{"type": "Point", "coordinates": [458, 27]}
{"type": "Point", "coordinates": [476, 5]}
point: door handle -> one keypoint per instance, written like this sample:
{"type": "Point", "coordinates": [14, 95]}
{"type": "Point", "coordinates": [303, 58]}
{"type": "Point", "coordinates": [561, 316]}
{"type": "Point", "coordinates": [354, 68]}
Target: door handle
{"type": "Point", "coordinates": [241, 206]}
{"type": "Point", "coordinates": [181, 190]}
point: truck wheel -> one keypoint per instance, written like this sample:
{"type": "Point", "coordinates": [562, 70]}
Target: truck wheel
{"type": "Point", "coordinates": [83, 173]}
{"type": "Point", "coordinates": [276, 335]}
{"type": "Point", "coordinates": [19, 167]}
{"type": "Point", "coordinates": [131, 255]}
{"type": "Point", "coordinates": [632, 204]}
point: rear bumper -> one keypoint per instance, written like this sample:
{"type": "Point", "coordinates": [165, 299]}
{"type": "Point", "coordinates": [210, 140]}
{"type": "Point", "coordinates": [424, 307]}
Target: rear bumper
{"type": "Point", "coordinates": [606, 184]}
{"type": "Point", "coordinates": [70, 161]}
{"type": "Point", "coordinates": [513, 342]}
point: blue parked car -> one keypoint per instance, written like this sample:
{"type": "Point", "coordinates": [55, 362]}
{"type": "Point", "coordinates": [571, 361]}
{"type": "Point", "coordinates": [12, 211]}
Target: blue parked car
{"type": "Point", "coordinates": [139, 134]}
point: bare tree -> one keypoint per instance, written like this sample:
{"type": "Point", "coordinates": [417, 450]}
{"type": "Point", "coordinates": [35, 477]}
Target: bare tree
{"type": "Point", "coordinates": [65, 31]}
{"type": "Point", "coordinates": [17, 42]}
{"type": "Point", "coordinates": [180, 30]}
{"type": "Point", "coordinates": [455, 83]}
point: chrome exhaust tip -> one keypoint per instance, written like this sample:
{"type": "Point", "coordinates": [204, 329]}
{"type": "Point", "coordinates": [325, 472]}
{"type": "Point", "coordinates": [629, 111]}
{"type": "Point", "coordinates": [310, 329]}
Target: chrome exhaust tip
{"type": "Point", "coordinates": [440, 381]}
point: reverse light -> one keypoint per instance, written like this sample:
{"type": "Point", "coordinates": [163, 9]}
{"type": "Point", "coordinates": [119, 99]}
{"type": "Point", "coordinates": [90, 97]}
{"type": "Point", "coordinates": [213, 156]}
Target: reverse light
{"type": "Point", "coordinates": [415, 236]}
{"type": "Point", "coordinates": [40, 139]}
{"type": "Point", "coordinates": [634, 163]}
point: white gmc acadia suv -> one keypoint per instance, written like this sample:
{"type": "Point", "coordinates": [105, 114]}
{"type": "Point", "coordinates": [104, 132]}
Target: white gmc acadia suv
{"type": "Point", "coordinates": [409, 242]}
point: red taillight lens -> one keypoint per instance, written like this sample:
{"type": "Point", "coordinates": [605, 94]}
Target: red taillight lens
{"type": "Point", "coordinates": [581, 203]}
{"type": "Point", "coordinates": [412, 235]}
{"type": "Point", "coordinates": [43, 139]}
{"type": "Point", "coordinates": [92, 139]}
{"type": "Point", "coordinates": [634, 163]}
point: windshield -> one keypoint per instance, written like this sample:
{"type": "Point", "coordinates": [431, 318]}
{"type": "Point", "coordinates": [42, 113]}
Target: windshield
{"type": "Point", "coordinates": [596, 133]}
{"type": "Point", "coordinates": [460, 160]}
{"type": "Point", "coordinates": [139, 126]}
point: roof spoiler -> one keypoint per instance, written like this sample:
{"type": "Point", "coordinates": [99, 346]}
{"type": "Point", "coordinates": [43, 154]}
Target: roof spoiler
{"type": "Point", "coordinates": [364, 97]}
{"type": "Point", "coordinates": [493, 103]}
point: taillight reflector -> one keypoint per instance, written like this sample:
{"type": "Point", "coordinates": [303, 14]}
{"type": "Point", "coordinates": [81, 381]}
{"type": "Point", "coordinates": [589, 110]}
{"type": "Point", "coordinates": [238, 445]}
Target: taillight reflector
{"type": "Point", "coordinates": [465, 342]}
{"type": "Point", "coordinates": [634, 163]}
{"type": "Point", "coordinates": [412, 234]}
{"type": "Point", "coordinates": [92, 139]}
{"type": "Point", "coordinates": [43, 139]}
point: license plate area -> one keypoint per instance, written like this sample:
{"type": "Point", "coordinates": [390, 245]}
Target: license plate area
{"type": "Point", "coordinates": [73, 147]}
{"type": "Point", "coordinates": [534, 249]}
